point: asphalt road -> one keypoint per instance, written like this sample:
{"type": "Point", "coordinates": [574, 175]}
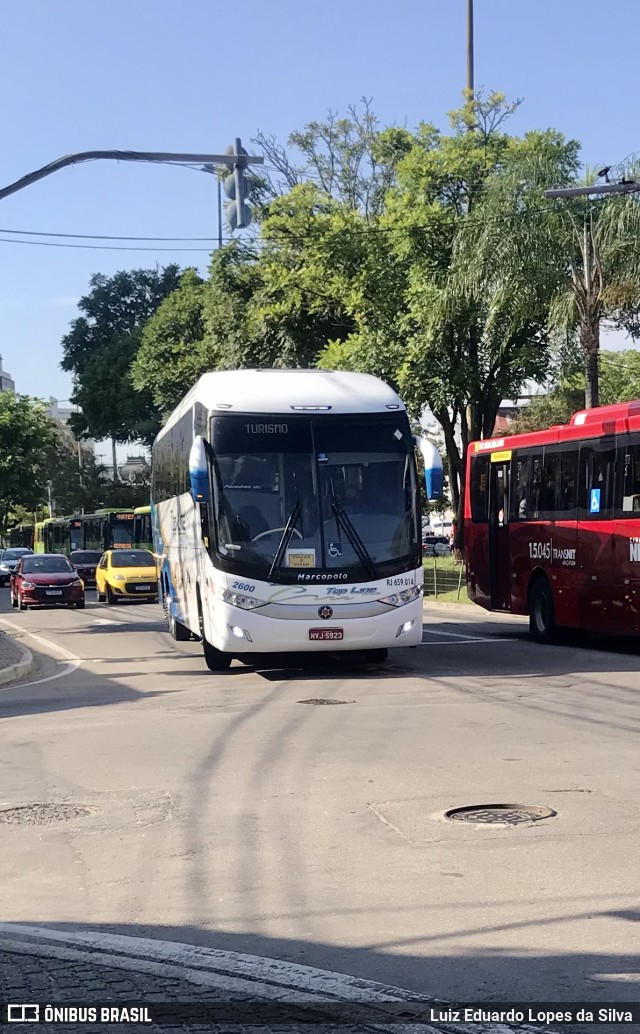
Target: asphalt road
{"type": "Point", "coordinates": [228, 811]}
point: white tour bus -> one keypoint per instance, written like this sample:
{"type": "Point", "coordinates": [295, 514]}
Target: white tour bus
{"type": "Point", "coordinates": [286, 515]}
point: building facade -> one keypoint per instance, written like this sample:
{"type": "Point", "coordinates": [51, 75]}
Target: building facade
{"type": "Point", "coordinates": [6, 380]}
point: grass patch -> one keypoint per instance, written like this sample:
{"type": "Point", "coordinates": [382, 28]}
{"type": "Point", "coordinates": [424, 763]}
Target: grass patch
{"type": "Point", "coordinates": [442, 580]}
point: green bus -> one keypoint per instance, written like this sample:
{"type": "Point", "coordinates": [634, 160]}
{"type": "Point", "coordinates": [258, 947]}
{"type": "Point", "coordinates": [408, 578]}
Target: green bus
{"type": "Point", "coordinates": [109, 528]}
{"type": "Point", "coordinates": [142, 537]}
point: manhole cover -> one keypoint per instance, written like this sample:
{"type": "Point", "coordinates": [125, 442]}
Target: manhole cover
{"type": "Point", "coordinates": [499, 814]}
{"type": "Point", "coordinates": [43, 814]}
{"type": "Point", "coordinates": [323, 700]}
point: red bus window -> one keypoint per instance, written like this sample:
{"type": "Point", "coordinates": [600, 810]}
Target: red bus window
{"type": "Point", "coordinates": [480, 489]}
{"type": "Point", "coordinates": [631, 481]}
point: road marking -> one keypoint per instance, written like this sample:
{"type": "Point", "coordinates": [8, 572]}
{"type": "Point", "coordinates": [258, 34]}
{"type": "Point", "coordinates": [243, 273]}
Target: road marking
{"type": "Point", "coordinates": [74, 660]}
{"type": "Point", "coordinates": [464, 642]}
{"type": "Point", "coordinates": [103, 621]}
{"type": "Point", "coordinates": [450, 635]}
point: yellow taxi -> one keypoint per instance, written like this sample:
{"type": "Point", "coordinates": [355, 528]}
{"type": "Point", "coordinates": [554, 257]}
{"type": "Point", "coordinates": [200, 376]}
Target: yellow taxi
{"type": "Point", "coordinates": [127, 574]}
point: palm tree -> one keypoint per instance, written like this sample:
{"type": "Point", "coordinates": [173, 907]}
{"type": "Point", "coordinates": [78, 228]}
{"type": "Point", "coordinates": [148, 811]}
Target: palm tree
{"type": "Point", "coordinates": [581, 257]}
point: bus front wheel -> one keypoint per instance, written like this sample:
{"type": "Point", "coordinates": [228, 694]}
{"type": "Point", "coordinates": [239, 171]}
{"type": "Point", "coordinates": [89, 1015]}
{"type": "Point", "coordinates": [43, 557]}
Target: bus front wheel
{"type": "Point", "coordinates": [215, 660]}
{"type": "Point", "coordinates": [542, 621]}
{"type": "Point", "coordinates": [177, 630]}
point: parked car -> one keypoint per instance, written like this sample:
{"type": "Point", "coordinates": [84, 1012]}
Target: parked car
{"type": "Point", "coordinates": [46, 579]}
{"type": "Point", "coordinates": [435, 545]}
{"type": "Point", "coordinates": [85, 562]}
{"type": "Point", "coordinates": [127, 574]}
{"type": "Point", "coordinates": [10, 560]}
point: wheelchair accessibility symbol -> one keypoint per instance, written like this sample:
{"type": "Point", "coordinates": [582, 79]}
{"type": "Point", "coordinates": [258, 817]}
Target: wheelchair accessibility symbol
{"type": "Point", "coordinates": [335, 549]}
{"type": "Point", "coordinates": [594, 505]}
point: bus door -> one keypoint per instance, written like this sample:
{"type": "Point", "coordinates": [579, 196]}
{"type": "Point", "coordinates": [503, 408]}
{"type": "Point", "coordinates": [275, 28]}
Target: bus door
{"type": "Point", "coordinates": [499, 558]}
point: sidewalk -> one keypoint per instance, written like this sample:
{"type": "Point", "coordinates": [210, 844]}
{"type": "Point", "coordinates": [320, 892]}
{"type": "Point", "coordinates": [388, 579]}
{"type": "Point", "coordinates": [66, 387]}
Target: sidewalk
{"type": "Point", "coordinates": [184, 987]}
{"type": "Point", "coordinates": [16, 660]}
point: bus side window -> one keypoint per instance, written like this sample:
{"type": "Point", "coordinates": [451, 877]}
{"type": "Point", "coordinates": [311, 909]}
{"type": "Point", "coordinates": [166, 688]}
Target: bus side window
{"type": "Point", "coordinates": [550, 477]}
{"type": "Point", "coordinates": [480, 489]}
{"type": "Point", "coordinates": [536, 485]}
{"type": "Point", "coordinates": [520, 489]}
{"type": "Point", "coordinates": [597, 476]}
{"type": "Point", "coordinates": [568, 482]}
{"type": "Point", "coordinates": [631, 477]}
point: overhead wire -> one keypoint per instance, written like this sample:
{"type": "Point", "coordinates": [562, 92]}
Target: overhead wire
{"type": "Point", "coordinates": [274, 235]}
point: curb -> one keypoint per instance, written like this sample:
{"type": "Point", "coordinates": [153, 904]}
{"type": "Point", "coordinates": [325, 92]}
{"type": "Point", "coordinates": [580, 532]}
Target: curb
{"type": "Point", "coordinates": [23, 667]}
{"type": "Point", "coordinates": [232, 973]}
{"type": "Point", "coordinates": [470, 609]}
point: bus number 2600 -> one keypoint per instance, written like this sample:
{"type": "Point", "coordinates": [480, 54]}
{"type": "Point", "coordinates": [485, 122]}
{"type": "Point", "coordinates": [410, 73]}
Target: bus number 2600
{"type": "Point", "coordinates": [540, 550]}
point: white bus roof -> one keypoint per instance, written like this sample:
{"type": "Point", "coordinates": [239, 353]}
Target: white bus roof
{"type": "Point", "coordinates": [289, 391]}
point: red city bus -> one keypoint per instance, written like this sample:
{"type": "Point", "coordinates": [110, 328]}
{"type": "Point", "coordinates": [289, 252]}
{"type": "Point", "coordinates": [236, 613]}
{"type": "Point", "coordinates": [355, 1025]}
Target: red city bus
{"type": "Point", "coordinates": [552, 523]}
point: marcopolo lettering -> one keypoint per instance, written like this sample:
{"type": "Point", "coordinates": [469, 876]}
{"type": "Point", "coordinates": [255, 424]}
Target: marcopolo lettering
{"type": "Point", "coordinates": [267, 428]}
{"type": "Point", "coordinates": [331, 577]}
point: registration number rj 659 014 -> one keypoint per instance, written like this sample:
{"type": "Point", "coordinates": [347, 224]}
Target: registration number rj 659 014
{"type": "Point", "coordinates": [326, 633]}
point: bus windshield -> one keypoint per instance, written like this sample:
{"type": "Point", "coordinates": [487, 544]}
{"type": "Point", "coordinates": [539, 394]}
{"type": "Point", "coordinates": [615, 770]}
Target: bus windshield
{"type": "Point", "coordinates": [336, 495]}
{"type": "Point", "coordinates": [121, 530]}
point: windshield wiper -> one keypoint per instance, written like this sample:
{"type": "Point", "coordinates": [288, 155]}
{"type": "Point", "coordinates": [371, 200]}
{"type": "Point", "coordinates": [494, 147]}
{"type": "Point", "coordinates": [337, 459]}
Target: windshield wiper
{"type": "Point", "coordinates": [358, 545]}
{"type": "Point", "coordinates": [286, 539]}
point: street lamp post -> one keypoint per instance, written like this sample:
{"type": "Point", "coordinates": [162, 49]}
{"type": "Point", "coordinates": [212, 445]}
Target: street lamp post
{"type": "Point", "coordinates": [470, 46]}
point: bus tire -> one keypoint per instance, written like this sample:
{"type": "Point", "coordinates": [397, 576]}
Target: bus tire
{"type": "Point", "coordinates": [215, 659]}
{"type": "Point", "coordinates": [176, 629]}
{"type": "Point", "coordinates": [542, 619]}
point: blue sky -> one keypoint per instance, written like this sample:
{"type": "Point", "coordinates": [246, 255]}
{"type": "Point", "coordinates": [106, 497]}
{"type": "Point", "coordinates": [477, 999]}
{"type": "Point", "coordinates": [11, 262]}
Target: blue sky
{"type": "Point", "coordinates": [190, 76]}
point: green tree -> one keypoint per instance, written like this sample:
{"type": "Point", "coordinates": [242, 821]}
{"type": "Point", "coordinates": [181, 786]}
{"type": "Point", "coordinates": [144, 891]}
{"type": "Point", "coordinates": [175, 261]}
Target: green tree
{"type": "Point", "coordinates": [587, 252]}
{"type": "Point", "coordinates": [174, 348]}
{"type": "Point", "coordinates": [458, 336]}
{"type": "Point", "coordinates": [619, 376]}
{"type": "Point", "coordinates": [27, 448]}
{"type": "Point", "coordinates": [557, 407]}
{"type": "Point", "coordinates": [77, 480]}
{"type": "Point", "coordinates": [101, 346]}
{"type": "Point", "coordinates": [350, 159]}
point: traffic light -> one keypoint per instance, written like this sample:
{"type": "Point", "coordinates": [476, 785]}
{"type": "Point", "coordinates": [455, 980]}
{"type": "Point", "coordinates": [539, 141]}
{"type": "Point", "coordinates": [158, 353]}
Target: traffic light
{"type": "Point", "coordinates": [236, 187]}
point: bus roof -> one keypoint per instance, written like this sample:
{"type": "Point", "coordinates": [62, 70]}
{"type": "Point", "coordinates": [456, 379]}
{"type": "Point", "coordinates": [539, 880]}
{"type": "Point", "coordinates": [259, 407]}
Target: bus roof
{"type": "Point", "coordinates": [142, 509]}
{"type": "Point", "coordinates": [588, 423]}
{"type": "Point", "coordinates": [288, 391]}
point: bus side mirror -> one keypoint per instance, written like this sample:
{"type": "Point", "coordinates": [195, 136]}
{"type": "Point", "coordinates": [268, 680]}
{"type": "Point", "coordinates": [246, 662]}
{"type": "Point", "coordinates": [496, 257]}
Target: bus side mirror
{"type": "Point", "coordinates": [433, 472]}
{"type": "Point", "coordinates": [198, 473]}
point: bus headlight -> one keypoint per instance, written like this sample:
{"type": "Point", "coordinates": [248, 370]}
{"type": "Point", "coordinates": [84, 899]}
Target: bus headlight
{"type": "Point", "coordinates": [405, 596]}
{"type": "Point", "coordinates": [236, 599]}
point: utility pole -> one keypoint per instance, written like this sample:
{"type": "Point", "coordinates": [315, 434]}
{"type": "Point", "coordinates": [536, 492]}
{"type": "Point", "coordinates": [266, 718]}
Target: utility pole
{"type": "Point", "coordinates": [50, 491]}
{"type": "Point", "coordinates": [219, 214]}
{"type": "Point", "coordinates": [470, 86]}
{"type": "Point", "coordinates": [470, 90]}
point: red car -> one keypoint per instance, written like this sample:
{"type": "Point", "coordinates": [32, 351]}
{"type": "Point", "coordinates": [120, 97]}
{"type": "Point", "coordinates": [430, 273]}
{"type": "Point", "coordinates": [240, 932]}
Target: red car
{"type": "Point", "coordinates": [45, 579]}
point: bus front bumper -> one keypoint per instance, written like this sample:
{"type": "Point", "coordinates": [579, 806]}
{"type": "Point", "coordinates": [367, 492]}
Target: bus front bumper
{"type": "Point", "coordinates": [234, 630]}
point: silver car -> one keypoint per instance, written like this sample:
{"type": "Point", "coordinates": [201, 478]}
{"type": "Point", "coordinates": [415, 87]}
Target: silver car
{"type": "Point", "coordinates": [10, 560]}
